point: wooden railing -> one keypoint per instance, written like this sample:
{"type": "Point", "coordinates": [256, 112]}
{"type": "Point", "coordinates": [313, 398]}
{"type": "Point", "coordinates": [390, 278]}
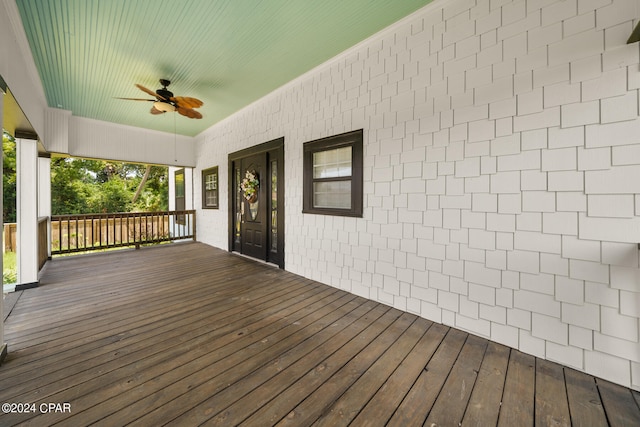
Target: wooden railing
{"type": "Point", "coordinates": [80, 233]}
{"type": "Point", "coordinates": [43, 241]}
{"type": "Point", "coordinates": [10, 230]}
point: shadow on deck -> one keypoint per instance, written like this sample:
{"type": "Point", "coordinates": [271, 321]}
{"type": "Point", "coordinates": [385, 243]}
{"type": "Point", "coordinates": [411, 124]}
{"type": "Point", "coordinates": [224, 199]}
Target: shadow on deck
{"type": "Point", "coordinates": [185, 334]}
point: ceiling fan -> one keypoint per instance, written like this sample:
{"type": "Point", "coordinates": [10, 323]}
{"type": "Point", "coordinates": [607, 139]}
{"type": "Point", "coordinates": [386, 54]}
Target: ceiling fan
{"type": "Point", "coordinates": [166, 102]}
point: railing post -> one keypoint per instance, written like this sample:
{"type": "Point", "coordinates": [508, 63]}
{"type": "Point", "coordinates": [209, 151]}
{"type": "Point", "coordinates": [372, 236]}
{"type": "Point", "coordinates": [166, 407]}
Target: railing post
{"type": "Point", "coordinates": [194, 225]}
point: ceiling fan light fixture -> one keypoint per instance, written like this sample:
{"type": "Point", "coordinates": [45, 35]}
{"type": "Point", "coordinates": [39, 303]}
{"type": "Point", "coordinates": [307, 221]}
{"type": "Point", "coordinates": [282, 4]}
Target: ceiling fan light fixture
{"type": "Point", "coordinates": [165, 107]}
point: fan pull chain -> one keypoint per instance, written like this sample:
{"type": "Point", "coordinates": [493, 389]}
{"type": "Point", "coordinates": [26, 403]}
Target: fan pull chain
{"type": "Point", "coordinates": [175, 141]}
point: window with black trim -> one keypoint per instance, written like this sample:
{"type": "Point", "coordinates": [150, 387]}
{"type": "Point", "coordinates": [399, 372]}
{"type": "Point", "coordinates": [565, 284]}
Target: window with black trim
{"type": "Point", "coordinates": [210, 188]}
{"type": "Point", "coordinates": [333, 175]}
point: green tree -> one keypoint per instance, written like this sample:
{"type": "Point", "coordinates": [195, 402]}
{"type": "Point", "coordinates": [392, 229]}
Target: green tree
{"type": "Point", "coordinates": [8, 178]}
{"type": "Point", "coordinates": [112, 196]}
{"type": "Point", "coordinates": [155, 193]}
{"type": "Point", "coordinates": [72, 185]}
{"type": "Point", "coordinates": [97, 186]}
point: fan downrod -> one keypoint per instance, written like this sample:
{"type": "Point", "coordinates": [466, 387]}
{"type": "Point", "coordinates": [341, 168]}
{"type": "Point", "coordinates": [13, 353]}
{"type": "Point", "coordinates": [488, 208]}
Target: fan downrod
{"type": "Point", "coordinates": [164, 92]}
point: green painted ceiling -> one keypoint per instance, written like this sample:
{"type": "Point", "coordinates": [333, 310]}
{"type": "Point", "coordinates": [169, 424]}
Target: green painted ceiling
{"type": "Point", "coordinates": [226, 53]}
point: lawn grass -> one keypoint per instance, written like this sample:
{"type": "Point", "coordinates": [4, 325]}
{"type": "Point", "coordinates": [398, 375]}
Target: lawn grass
{"type": "Point", "coordinates": [9, 268]}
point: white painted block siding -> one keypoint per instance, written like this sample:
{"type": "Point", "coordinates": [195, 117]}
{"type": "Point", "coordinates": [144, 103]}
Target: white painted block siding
{"type": "Point", "coordinates": [501, 170]}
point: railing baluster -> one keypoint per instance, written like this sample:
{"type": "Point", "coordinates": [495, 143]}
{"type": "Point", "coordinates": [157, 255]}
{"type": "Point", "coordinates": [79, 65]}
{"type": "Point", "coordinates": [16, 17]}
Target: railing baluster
{"type": "Point", "coordinates": [60, 235]}
{"type": "Point", "coordinates": [68, 234]}
{"type": "Point", "coordinates": [164, 227]}
{"type": "Point", "coordinates": [194, 226]}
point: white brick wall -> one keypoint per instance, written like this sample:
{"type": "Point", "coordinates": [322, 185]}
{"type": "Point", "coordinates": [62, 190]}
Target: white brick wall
{"type": "Point", "coordinates": [502, 174]}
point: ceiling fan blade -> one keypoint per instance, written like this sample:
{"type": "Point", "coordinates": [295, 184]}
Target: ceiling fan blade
{"type": "Point", "coordinates": [137, 99]}
{"type": "Point", "coordinates": [154, 110]}
{"type": "Point", "coordinates": [187, 102]}
{"type": "Point", "coordinates": [150, 92]}
{"type": "Point", "coordinates": [188, 112]}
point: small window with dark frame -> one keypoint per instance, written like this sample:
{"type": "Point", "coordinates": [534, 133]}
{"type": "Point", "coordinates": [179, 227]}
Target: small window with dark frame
{"type": "Point", "coordinates": [333, 175]}
{"type": "Point", "coordinates": [210, 188]}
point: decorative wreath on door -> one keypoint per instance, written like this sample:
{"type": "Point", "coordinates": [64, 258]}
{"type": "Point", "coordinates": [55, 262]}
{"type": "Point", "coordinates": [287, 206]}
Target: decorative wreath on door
{"type": "Point", "coordinates": [250, 185]}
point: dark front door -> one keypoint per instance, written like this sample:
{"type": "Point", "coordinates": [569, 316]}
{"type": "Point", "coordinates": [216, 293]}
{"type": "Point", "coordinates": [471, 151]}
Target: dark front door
{"type": "Point", "coordinates": [253, 225]}
{"type": "Point", "coordinates": [256, 218]}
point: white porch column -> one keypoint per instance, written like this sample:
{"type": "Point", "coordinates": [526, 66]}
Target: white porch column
{"type": "Point", "coordinates": [3, 345]}
{"type": "Point", "coordinates": [188, 188]}
{"type": "Point", "coordinates": [44, 193]}
{"type": "Point", "coordinates": [27, 195]}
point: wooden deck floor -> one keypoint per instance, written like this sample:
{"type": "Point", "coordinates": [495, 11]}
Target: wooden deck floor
{"type": "Point", "coordinates": [186, 334]}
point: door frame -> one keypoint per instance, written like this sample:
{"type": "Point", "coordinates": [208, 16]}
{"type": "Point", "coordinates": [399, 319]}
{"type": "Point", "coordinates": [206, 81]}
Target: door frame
{"type": "Point", "coordinates": [273, 146]}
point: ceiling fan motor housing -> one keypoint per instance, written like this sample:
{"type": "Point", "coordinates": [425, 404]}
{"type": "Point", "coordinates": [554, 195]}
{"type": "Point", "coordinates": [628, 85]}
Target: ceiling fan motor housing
{"type": "Point", "coordinates": [164, 93]}
{"type": "Point", "coordinates": [164, 104]}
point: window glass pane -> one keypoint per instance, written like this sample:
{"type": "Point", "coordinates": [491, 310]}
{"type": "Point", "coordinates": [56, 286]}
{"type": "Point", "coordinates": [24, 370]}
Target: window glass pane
{"type": "Point", "coordinates": [211, 182]}
{"type": "Point", "coordinates": [274, 205]}
{"type": "Point", "coordinates": [179, 196]}
{"type": "Point", "coordinates": [211, 190]}
{"type": "Point", "coordinates": [179, 178]}
{"type": "Point", "coordinates": [210, 193]}
{"type": "Point", "coordinates": [212, 198]}
{"type": "Point", "coordinates": [332, 163]}
{"type": "Point", "coordinates": [238, 212]}
{"type": "Point", "coordinates": [332, 194]}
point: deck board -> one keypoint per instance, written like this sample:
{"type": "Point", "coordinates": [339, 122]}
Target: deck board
{"type": "Point", "coordinates": [258, 389]}
{"type": "Point", "coordinates": [382, 406]}
{"type": "Point", "coordinates": [584, 401]}
{"type": "Point", "coordinates": [346, 370]}
{"type": "Point", "coordinates": [519, 391]}
{"type": "Point", "coordinates": [619, 404]}
{"type": "Point", "coordinates": [454, 397]}
{"type": "Point", "coordinates": [418, 403]}
{"type": "Point", "coordinates": [314, 370]}
{"type": "Point", "coordinates": [552, 406]}
{"type": "Point", "coordinates": [140, 336]}
{"type": "Point", "coordinates": [347, 407]}
{"type": "Point", "coordinates": [192, 381]}
{"type": "Point", "coordinates": [485, 400]}
{"type": "Point", "coordinates": [186, 334]}
{"type": "Point", "coordinates": [10, 301]}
